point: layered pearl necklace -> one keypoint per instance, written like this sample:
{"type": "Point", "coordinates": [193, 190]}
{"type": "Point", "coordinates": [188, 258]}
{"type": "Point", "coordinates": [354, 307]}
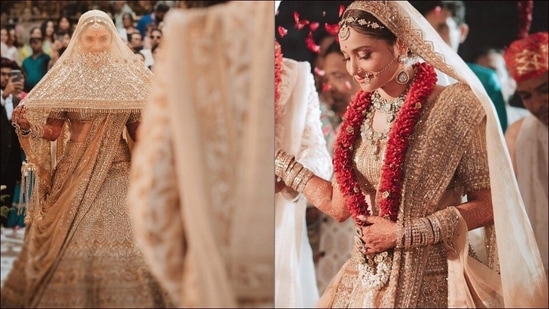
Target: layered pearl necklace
{"type": "Point", "coordinates": [389, 107]}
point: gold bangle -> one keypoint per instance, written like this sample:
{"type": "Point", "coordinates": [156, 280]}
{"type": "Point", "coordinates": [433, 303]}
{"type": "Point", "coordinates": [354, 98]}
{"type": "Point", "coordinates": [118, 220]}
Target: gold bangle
{"type": "Point", "coordinates": [307, 175]}
{"type": "Point", "coordinates": [292, 174]}
{"type": "Point", "coordinates": [282, 161]}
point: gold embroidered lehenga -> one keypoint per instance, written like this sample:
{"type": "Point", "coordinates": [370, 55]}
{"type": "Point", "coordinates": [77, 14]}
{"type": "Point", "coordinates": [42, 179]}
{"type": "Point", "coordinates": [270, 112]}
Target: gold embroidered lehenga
{"type": "Point", "coordinates": [79, 248]}
{"type": "Point", "coordinates": [417, 275]}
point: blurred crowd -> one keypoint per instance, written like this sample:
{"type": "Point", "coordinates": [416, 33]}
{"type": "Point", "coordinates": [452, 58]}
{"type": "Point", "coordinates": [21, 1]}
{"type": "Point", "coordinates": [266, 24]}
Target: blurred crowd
{"type": "Point", "coordinates": [31, 46]}
{"type": "Point", "coordinates": [34, 40]}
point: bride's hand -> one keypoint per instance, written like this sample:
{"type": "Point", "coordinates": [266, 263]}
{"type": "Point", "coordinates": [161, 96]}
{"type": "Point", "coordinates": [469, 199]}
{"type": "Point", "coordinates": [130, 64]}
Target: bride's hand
{"type": "Point", "coordinates": [18, 117]}
{"type": "Point", "coordinates": [378, 234]}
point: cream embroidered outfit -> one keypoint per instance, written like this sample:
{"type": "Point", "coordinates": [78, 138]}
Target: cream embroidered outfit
{"type": "Point", "coordinates": [201, 193]}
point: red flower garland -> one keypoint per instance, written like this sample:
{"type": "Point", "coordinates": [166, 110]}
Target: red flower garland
{"type": "Point", "coordinates": [392, 173]}
{"type": "Point", "coordinates": [278, 71]}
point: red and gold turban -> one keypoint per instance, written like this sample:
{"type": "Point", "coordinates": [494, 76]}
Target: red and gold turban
{"type": "Point", "coordinates": [527, 58]}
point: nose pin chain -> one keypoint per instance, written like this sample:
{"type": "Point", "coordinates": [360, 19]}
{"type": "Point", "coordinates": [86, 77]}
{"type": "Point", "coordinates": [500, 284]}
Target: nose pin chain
{"type": "Point", "coordinates": [369, 75]}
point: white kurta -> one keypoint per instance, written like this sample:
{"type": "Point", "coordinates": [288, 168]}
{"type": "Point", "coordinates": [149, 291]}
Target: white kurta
{"type": "Point", "coordinates": [298, 132]}
{"type": "Point", "coordinates": [532, 171]}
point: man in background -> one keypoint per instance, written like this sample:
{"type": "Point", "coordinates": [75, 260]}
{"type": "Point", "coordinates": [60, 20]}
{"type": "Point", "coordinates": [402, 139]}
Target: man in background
{"type": "Point", "coordinates": [156, 17]}
{"type": "Point", "coordinates": [448, 19]}
{"type": "Point", "coordinates": [10, 149]}
{"type": "Point", "coordinates": [527, 138]}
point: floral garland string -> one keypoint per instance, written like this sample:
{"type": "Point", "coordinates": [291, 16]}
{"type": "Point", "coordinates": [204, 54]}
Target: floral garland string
{"type": "Point", "coordinates": [392, 174]}
{"type": "Point", "coordinates": [277, 72]}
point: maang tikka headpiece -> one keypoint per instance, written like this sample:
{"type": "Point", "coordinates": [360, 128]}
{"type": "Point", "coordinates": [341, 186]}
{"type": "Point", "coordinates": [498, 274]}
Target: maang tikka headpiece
{"type": "Point", "coordinates": [95, 22]}
{"type": "Point", "coordinates": [380, 9]}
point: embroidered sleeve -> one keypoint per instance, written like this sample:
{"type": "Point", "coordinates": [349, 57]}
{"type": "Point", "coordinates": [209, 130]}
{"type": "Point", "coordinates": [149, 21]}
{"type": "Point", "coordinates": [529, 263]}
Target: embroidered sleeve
{"type": "Point", "coordinates": [472, 171]}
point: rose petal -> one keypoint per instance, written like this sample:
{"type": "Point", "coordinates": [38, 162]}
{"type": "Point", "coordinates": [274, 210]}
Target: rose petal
{"type": "Point", "coordinates": [311, 45]}
{"type": "Point", "coordinates": [313, 26]}
{"type": "Point", "coordinates": [348, 85]}
{"type": "Point", "coordinates": [341, 10]}
{"type": "Point", "coordinates": [319, 71]}
{"type": "Point", "coordinates": [332, 29]}
{"type": "Point", "coordinates": [282, 31]}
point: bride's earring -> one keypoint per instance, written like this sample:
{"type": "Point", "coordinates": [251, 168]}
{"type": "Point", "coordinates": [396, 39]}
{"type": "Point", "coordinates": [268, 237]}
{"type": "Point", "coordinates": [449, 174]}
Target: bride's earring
{"type": "Point", "coordinates": [402, 76]}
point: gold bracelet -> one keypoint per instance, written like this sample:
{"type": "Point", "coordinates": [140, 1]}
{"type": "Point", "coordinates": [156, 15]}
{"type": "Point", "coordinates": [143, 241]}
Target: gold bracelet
{"type": "Point", "coordinates": [307, 175]}
{"type": "Point", "coordinates": [430, 230]}
{"type": "Point", "coordinates": [400, 238]}
{"type": "Point", "coordinates": [292, 174]}
{"type": "Point", "coordinates": [282, 162]}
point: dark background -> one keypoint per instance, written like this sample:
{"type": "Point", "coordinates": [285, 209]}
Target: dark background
{"type": "Point", "coordinates": [491, 24]}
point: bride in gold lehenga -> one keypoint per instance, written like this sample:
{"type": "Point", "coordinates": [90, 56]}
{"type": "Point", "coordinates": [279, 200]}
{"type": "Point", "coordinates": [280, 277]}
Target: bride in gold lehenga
{"type": "Point", "coordinates": [420, 161]}
{"type": "Point", "coordinates": [75, 126]}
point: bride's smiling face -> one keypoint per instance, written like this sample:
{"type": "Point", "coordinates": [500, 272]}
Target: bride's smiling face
{"type": "Point", "coordinates": [96, 39]}
{"type": "Point", "coordinates": [371, 62]}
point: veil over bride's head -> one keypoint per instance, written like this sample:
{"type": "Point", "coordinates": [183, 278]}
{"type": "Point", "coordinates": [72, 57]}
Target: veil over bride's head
{"type": "Point", "coordinates": [525, 286]}
{"type": "Point", "coordinates": [112, 80]}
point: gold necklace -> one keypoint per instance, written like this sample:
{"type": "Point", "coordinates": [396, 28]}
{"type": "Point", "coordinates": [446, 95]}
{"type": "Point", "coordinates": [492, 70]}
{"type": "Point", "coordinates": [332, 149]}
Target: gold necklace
{"type": "Point", "coordinates": [375, 138]}
{"type": "Point", "coordinates": [390, 107]}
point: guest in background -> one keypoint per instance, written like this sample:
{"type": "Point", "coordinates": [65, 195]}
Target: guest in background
{"type": "Point", "coordinates": [527, 138]}
{"type": "Point", "coordinates": [9, 50]}
{"type": "Point", "coordinates": [335, 238]}
{"type": "Point", "coordinates": [119, 9]}
{"type": "Point", "coordinates": [26, 49]}
{"type": "Point", "coordinates": [492, 58]}
{"type": "Point", "coordinates": [448, 19]}
{"type": "Point", "coordinates": [64, 24]}
{"type": "Point", "coordinates": [10, 149]}
{"type": "Point", "coordinates": [155, 18]}
{"type": "Point", "coordinates": [127, 27]}
{"type": "Point", "coordinates": [48, 36]}
{"type": "Point", "coordinates": [35, 65]}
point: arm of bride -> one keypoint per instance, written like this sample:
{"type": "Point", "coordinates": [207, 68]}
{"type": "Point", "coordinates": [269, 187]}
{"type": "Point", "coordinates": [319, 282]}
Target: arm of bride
{"type": "Point", "coordinates": [321, 193]}
{"type": "Point", "coordinates": [326, 196]}
{"type": "Point", "coordinates": [49, 131]}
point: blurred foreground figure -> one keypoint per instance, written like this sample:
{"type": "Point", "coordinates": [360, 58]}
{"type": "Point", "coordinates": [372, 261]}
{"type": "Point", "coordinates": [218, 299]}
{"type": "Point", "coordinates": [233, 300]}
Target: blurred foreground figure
{"type": "Point", "coordinates": [201, 184]}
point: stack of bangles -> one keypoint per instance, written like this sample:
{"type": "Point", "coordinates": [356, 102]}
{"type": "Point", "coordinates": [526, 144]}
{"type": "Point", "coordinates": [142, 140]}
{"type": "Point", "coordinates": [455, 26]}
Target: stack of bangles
{"type": "Point", "coordinates": [293, 173]}
{"type": "Point", "coordinates": [430, 230]}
